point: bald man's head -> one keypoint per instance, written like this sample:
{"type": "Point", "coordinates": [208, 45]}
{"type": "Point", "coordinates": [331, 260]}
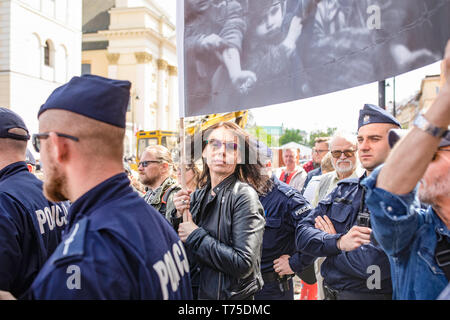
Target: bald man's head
{"type": "Point", "coordinates": [97, 140]}
{"type": "Point", "coordinates": [14, 147]}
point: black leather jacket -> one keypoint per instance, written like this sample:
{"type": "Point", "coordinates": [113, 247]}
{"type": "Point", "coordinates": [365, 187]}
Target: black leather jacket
{"type": "Point", "coordinates": [225, 251]}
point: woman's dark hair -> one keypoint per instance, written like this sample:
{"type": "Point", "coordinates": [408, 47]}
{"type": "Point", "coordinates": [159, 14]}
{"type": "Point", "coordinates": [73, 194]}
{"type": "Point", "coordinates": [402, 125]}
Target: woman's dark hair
{"type": "Point", "coordinates": [246, 171]}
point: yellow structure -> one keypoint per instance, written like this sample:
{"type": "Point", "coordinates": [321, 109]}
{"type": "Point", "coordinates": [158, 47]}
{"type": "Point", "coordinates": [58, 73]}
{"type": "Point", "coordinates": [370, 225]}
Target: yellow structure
{"type": "Point", "coordinates": [169, 139]}
{"type": "Point", "coordinates": [134, 40]}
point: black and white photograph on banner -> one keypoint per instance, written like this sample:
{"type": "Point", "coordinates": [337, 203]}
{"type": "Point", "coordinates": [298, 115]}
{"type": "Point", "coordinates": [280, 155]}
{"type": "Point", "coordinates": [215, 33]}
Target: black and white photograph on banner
{"type": "Point", "coordinates": [242, 54]}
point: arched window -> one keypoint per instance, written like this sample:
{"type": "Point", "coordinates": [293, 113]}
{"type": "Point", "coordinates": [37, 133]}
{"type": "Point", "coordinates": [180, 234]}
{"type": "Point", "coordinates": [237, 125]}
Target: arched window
{"type": "Point", "coordinates": [47, 54]}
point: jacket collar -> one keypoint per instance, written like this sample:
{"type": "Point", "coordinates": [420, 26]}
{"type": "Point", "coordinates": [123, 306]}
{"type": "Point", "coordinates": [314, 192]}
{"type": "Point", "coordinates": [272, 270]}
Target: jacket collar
{"type": "Point", "coordinates": [12, 169]}
{"type": "Point", "coordinates": [224, 184]}
{"type": "Point", "coordinates": [110, 189]}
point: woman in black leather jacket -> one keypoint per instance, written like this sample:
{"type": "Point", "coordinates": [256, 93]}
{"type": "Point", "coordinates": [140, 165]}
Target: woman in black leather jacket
{"type": "Point", "coordinates": [223, 220]}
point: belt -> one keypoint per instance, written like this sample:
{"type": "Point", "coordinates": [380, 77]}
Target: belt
{"type": "Point", "coordinates": [332, 294]}
{"type": "Point", "coordinates": [270, 276]}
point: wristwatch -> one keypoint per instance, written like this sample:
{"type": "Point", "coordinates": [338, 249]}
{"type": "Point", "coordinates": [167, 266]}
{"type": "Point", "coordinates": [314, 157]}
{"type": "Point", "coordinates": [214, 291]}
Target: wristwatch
{"type": "Point", "coordinates": [424, 125]}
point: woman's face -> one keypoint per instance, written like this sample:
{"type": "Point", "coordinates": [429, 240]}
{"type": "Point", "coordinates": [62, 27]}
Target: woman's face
{"type": "Point", "coordinates": [189, 175]}
{"type": "Point", "coordinates": [221, 151]}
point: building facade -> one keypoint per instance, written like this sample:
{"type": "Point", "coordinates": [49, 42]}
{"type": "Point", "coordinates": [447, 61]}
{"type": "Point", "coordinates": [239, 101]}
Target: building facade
{"type": "Point", "coordinates": [40, 49]}
{"type": "Point", "coordinates": [420, 102]}
{"type": "Point", "coordinates": [134, 40]}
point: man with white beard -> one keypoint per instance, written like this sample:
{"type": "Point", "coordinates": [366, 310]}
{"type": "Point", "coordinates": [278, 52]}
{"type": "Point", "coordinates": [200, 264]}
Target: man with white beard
{"type": "Point", "coordinates": [343, 149]}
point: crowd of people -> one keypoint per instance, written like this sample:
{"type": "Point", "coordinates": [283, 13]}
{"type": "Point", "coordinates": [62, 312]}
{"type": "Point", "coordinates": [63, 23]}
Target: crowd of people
{"type": "Point", "coordinates": [368, 219]}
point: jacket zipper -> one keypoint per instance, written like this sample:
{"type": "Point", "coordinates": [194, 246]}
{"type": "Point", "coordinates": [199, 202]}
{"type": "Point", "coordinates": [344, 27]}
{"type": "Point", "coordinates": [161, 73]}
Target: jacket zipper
{"type": "Point", "coordinates": [218, 238]}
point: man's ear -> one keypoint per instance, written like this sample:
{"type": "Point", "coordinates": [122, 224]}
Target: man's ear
{"type": "Point", "coordinates": [58, 147]}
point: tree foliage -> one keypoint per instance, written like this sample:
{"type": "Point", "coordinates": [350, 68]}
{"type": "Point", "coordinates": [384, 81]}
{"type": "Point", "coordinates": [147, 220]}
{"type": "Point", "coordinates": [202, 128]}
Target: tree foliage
{"type": "Point", "coordinates": [319, 133]}
{"type": "Point", "coordinates": [292, 135]}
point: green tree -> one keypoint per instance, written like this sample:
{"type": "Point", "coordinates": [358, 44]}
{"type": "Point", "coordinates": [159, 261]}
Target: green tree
{"type": "Point", "coordinates": [320, 133]}
{"type": "Point", "coordinates": [261, 134]}
{"type": "Point", "coordinates": [292, 135]}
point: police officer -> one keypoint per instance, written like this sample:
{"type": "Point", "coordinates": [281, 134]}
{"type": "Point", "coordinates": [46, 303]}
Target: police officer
{"type": "Point", "coordinates": [116, 246]}
{"type": "Point", "coordinates": [355, 266]}
{"type": "Point", "coordinates": [284, 207]}
{"type": "Point", "coordinates": [30, 225]}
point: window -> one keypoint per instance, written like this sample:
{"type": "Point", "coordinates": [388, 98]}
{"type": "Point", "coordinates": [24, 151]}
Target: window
{"type": "Point", "coordinates": [85, 68]}
{"type": "Point", "coordinates": [47, 54]}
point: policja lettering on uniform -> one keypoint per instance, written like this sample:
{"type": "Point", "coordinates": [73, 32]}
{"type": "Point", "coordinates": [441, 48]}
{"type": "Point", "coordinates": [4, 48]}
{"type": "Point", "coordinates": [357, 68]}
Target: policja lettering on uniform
{"type": "Point", "coordinates": [172, 269]}
{"type": "Point", "coordinates": [51, 216]}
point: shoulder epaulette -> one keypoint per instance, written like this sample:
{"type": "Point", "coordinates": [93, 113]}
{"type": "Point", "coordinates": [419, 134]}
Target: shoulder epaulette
{"type": "Point", "coordinates": [349, 181]}
{"type": "Point", "coordinates": [72, 247]}
{"type": "Point", "coordinates": [285, 189]}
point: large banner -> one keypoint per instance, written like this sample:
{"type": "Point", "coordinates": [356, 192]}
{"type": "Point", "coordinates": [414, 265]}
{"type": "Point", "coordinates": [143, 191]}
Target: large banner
{"type": "Point", "coordinates": [241, 54]}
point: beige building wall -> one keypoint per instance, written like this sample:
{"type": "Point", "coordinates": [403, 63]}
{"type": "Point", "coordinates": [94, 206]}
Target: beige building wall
{"type": "Point", "coordinates": [429, 90]}
{"type": "Point", "coordinates": [136, 42]}
{"type": "Point", "coordinates": [98, 61]}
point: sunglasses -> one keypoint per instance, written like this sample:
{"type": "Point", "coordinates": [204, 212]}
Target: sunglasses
{"type": "Point", "coordinates": [436, 153]}
{"type": "Point", "coordinates": [36, 139]}
{"type": "Point", "coordinates": [337, 153]}
{"type": "Point", "coordinates": [144, 164]}
{"type": "Point", "coordinates": [217, 144]}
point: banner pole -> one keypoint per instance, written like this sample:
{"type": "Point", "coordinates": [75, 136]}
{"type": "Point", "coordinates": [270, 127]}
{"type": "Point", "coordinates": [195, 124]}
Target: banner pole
{"type": "Point", "coordinates": [182, 154]}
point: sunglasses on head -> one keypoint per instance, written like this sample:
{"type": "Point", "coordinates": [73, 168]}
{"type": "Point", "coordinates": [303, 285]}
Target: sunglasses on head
{"type": "Point", "coordinates": [36, 139]}
{"type": "Point", "coordinates": [337, 153]}
{"type": "Point", "coordinates": [217, 144]}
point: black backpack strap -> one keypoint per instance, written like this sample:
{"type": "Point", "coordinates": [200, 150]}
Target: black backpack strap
{"type": "Point", "coordinates": [442, 255]}
{"type": "Point", "coordinates": [165, 197]}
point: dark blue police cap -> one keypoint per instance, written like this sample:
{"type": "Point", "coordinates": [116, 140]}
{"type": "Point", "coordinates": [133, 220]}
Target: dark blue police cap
{"type": "Point", "coordinates": [92, 96]}
{"type": "Point", "coordinates": [374, 114]}
{"type": "Point", "coordinates": [9, 120]}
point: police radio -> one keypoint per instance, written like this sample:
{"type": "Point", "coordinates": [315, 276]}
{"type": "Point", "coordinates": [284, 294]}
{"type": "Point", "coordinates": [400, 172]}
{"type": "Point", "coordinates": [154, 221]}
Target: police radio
{"type": "Point", "coordinates": [363, 217]}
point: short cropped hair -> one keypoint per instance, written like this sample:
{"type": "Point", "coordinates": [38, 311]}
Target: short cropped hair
{"type": "Point", "coordinates": [322, 139]}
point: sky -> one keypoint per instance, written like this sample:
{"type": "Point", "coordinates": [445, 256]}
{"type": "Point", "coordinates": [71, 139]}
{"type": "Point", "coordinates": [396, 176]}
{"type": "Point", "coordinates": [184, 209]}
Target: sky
{"type": "Point", "coordinates": [339, 109]}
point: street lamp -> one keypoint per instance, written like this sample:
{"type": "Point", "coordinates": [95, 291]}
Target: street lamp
{"type": "Point", "coordinates": [394, 111]}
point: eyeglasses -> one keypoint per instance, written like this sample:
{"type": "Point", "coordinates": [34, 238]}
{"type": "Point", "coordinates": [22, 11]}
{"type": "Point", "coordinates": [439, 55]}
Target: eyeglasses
{"type": "Point", "coordinates": [217, 144]}
{"type": "Point", "coordinates": [337, 153]}
{"type": "Point", "coordinates": [319, 151]}
{"type": "Point", "coordinates": [144, 164]}
{"type": "Point", "coordinates": [436, 153]}
{"type": "Point", "coordinates": [36, 139]}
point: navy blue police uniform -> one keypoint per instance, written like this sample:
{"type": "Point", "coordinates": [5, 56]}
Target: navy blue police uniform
{"type": "Point", "coordinates": [363, 273]}
{"type": "Point", "coordinates": [116, 245]}
{"type": "Point", "coordinates": [345, 273]}
{"type": "Point", "coordinates": [284, 208]}
{"type": "Point", "coordinates": [30, 225]}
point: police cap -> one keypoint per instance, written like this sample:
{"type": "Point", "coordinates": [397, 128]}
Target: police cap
{"type": "Point", "coordinates": [92, 96]}
{"type": "Point", "coordinates": [374, 114]}
{"type": "Point", "coordinates": [10, 120]}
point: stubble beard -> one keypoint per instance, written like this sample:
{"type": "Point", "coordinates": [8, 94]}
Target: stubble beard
{"type": "Point", "coordinates": [429, 192]}
{"type": "Point", "coordinates": [54, 185]}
